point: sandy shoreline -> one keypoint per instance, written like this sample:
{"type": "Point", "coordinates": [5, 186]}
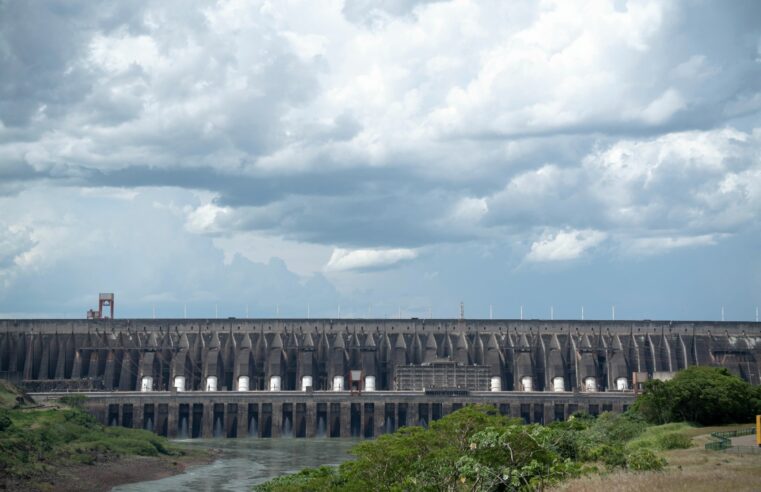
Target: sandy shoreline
{"type": "Point", "coordinates": [103, 476]}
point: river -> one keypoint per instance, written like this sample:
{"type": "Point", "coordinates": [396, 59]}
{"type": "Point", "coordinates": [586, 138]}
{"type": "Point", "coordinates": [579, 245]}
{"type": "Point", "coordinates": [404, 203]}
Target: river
{"type": "Point", "coordinates": [246, 462]}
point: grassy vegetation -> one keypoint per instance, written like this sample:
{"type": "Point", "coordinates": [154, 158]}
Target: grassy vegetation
{"type": "Point", "coordinates": [690, 470]}
{"type": "Point", "coordinates": [36, 440]}
{"type": "Point", "coordinates": [477, 449]}
{"type": "Point", "coordinates": [663, 437]}
{"type": "Point", "coordinates": [466, 451]}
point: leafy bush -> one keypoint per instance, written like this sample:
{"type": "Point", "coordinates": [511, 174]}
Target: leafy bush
{"type": "Point", "coordinates": [611, 455]}
{"type": "Point", "coordinates": [307, 480]}
{"type": "Point", "coordinates": [5, 419]}
{"type": "Point", "coordinates": [474, 448]}
{"type": "Point", "coordinates": [704, 395]}
{"type": "Point", "coordinates": [644, 460]}
{"type": "Point", "coordinates": [477, 449]}
{"type": "Point", "coordinates": [673, 440]}
{"type": "Point", "coordinates": [600, 439]}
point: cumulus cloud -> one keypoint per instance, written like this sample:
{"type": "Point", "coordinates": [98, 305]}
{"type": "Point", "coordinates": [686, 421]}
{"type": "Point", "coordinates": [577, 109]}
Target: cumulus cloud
{"type": "Point", "coordinates": [144, 254]}
{"type": "Point", "coordinates": [15, 241]}
{"type": "Point", "coordinates": [205, 218]}
{"type": "Point", "coordinates": [696, 181]}
{"type": "Point", "coordinates": [564, 245]}
{"type": "Point", "coordinates": [366, 259]}
{"type": "Point", "coordinates": [382, 128]}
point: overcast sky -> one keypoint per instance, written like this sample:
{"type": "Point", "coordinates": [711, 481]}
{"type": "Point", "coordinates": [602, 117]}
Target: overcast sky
{"type": "Point", "coordinates": [387, 157]}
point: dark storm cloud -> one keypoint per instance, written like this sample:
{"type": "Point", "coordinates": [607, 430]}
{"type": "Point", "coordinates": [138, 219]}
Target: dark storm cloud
{"type": "Point", "coordinates": [267, 117]}
{"type": "Point", "coordinates": [395, 139]}
{"type": "Point", "coordinates": [41, 49]}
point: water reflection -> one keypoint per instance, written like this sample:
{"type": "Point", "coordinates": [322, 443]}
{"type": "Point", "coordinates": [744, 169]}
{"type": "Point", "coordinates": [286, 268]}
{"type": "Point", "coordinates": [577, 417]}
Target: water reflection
{"type": "Point", "coordinates": [247, 462]}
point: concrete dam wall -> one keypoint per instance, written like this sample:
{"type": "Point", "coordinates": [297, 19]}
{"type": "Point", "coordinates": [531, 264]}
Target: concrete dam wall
{"type": "Point", "coordinates": [362, 377]}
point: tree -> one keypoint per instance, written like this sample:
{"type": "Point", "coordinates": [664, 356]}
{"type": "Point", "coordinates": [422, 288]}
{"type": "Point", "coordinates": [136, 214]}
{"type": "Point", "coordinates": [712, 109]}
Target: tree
{"type": "Point", "coordinates": [655, 404]}
{"type": "Point", "coordinates": [703, 395]}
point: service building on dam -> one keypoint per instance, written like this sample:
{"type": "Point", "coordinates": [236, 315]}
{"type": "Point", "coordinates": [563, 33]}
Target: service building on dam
{"type": "Point", "coordinates": [354, 377]}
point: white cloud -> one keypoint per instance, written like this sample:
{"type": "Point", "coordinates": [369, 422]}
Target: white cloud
{"type": "Point", "coordinates": [698, 181]}
{"type": "Point", "coordinates": [471, 209]}
{"type": "Point", "coordinates": [302, 258]}
{"type": "Point", "coordinates": [365, 259]}
{"type": "Point", "coordinates": [205, 218]}
{"type": "Point", "coordinates": [15, 242]}
{"type": "Point", "coordinates": [564, 245]}
{"type": "Point", "coordinates": [391, 126]}
{"type": "Point", "coordinates": [663, 108]}
{"type": "Point", "coordinates": [657, 245]}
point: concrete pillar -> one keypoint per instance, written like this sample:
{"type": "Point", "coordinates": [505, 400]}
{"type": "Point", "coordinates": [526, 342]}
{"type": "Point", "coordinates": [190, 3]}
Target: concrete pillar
{"type": "Point", "coordinates": [231, 417]}
{"type": "Point", "coordinates": [311, 418]}
{"type": "Point", "coordinates": [208, 420]}
{"type": "Point", "coordinates": [345, 419]}
{"type": "Point", "coordinates": [242, 418]}
{"type": "Point", "coordinates": [515, 409]}
{"type": "Point", "coordinates": [277, 419]}
{"type": "Point", "coordinates": [413, 416]}
{"type": "Point", "coordinates": [137, 415]}
{"type": "Point", "coordinates": [446, 409]}
{"type": "Point", "coordinates": [361, 419]}
{"type": "Point", "coordinates": [380, 418]}
{"type": "Point", "coordinates": [171, 422]}
{"type": "Point", "coordinates": [549, 412]}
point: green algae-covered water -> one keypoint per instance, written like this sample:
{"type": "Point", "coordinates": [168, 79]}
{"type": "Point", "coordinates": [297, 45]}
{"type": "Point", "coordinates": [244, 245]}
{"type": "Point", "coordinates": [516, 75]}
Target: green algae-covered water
{"type": "Point", "coordinates": [246, 462]}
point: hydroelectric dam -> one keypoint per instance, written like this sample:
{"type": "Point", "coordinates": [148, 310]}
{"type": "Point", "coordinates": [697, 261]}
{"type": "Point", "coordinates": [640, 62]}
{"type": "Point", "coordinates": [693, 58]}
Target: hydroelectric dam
{"type": "Point", "coordinates": [354, 377]}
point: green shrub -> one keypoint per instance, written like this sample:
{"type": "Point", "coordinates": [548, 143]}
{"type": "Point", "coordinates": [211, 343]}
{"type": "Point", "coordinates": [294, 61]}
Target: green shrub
{"type": "Point", "coordinates": [673, 440]}
{"type": "Point", "coordinates": [5, 419]}
{"type": "Point", "coordinates": [472, 448]}
{"type": "Point", "coordinates": [81, 418]}
{"type": "Point", "coordinates": [612, 455]}
{"type": "Point", "coordinates": [307, 480]}
{"type": "Point", "coordinates": [704, 395]}
{"type": "Point", "coordinates": [644, 460]}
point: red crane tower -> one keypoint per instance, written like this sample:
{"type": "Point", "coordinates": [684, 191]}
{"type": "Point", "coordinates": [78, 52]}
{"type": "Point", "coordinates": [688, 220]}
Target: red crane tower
{"type": "Point", "coordinates": [104, 300]}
